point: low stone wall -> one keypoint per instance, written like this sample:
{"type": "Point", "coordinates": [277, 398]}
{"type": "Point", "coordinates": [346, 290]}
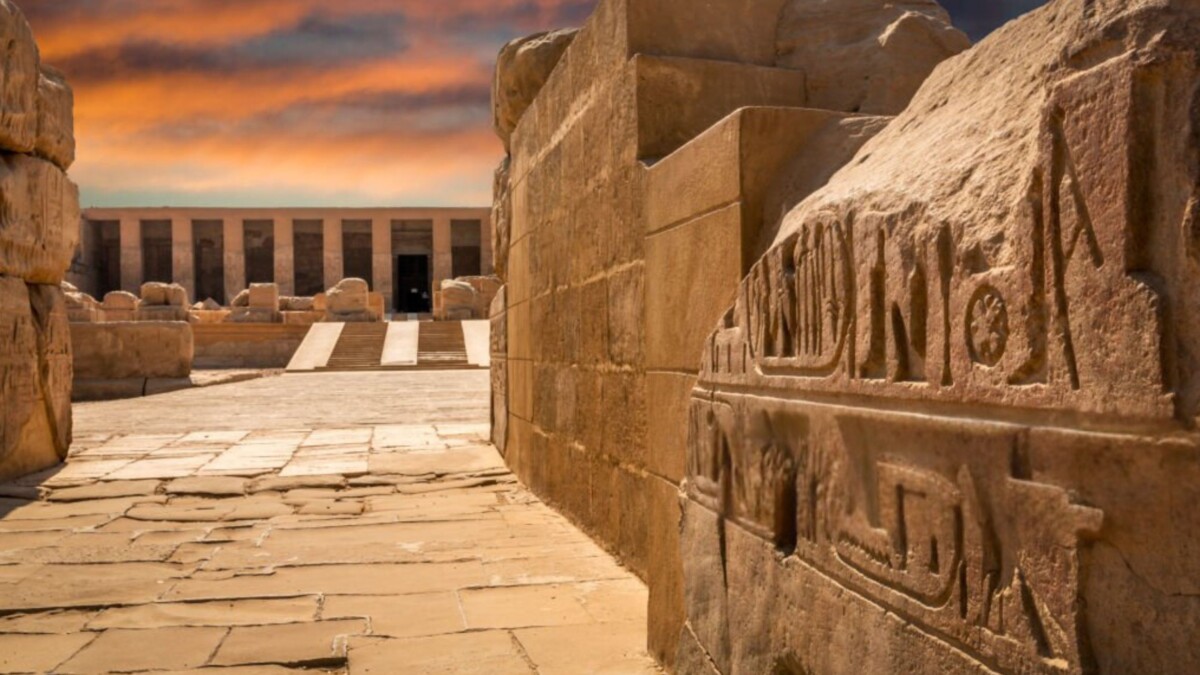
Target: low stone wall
{"type": "Point", "coordinates": [142, 349]}
{"type": "Point", "coordinates": [228, 345]}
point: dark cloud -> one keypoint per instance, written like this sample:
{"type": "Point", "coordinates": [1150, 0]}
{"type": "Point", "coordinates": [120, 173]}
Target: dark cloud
{"type": "Point", "coordinates": [978, 18]}
{"type": "Point", "coordinates": [316, 41]}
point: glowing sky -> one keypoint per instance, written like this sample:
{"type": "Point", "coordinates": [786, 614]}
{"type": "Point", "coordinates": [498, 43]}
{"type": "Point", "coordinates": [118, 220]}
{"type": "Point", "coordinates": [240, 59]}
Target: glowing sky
{"type": "Point", "coordinates": [300, 102]}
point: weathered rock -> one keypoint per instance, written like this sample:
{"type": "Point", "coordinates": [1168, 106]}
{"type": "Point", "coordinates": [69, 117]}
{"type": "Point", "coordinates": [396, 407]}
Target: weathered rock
{"type": "Point", "coordinates": [264, 296]}
{"type": "Point", "coordinates": [867, 56]}
{"type": "Point", "coordinates": [35, 377]}
{"type": "Point", "coordinates": [242, 299]}
{"type": "Point", "coordinates": [114, 351]}
{"type": "Point", "coordinates": [162, 302]}
{"type": "Point", "coordinates": [350, 301]}
{"type": "Point", "coordinates": [19, 82]}
{"type": "Point", "coordinates": [295, 304]}
{"type": "Point", "coordinates": [120, 306]}
{"type": "Point", "coordinates": [55, 118]}
{"type": "Point", "coordinates": [521, 71]}
{"type": "Point", "coordinates": [81, 307]}
{"type": "Point", "coordinates": [465, 298]}
{"type": "Point", "coordinates": [996, 303]}
{"type": "Point", "coordinates": [209, 305]}
{"type": "Point", "coordinates": [39, 217]}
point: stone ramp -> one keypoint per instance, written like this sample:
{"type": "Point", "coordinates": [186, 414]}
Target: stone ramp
{"type": "Point", "coordinates": [317, 347]}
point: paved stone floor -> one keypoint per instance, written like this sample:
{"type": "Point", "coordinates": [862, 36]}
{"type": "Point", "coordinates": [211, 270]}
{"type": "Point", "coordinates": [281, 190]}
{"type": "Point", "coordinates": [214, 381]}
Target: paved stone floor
{"type": "Point", "coordinates": [341, 522]}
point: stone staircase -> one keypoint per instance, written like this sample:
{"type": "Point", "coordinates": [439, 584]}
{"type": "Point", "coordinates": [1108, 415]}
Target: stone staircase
{"type": "Point", "coordinates": [440, 346]}
{"type": "Point", "coordinates": [360, 347]}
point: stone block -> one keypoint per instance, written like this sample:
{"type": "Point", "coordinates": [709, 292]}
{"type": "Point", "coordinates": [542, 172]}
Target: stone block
{"type": "Point", "coordinates": [120, 306]}
{"type": "Point", "coordinates": [692, 274]}
{"type": "Point", "coordinates": [668, 398]}
{"type": "Point", "coordinates": [866, 56]}
{"type": "Point", "coordinates": [522, 69]}
{"type": "Point", "coordinates": [678, 98]}
{"type": "Point", "coordinates": [35, 377]}
{"type": "Point", "coordinates": [720, 30]}
{"type": "Point", "coordinates": [263, 296]}
{"type": "Point", "coordinates": [117, 351]}
{"type": "Point", "coordinates": [39, 215]}
{"type": "Point", "coordinates": [55, 118]}
{"type": "Point", "coordinates": [955, 398]}
{"type": "Point", "coordinates": [254, 315]}
{"type": "Point", "coordinates": [19, 91]}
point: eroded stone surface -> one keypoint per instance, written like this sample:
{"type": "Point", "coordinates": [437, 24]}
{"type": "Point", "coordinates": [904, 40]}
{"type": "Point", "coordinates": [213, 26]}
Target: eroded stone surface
{"type": "Point", "coordinates": [943, 401]}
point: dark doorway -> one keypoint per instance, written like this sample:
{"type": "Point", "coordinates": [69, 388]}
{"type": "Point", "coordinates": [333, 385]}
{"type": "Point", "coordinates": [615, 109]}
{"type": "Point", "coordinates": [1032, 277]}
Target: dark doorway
{"type": "Point", "coordinates": [412, 285]}
{"type": "Point", "coordinates": [108, 258]}
{"type": "Point", "coordinates": [157, 263]}
{"type": "Point", "coordinates": [209, 259]}
{"type": "Point", "coordinates": [259, 245]}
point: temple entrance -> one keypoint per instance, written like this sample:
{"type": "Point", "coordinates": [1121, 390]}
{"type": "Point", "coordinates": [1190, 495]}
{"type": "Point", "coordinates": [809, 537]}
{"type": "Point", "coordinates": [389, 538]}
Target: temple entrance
{"type": "Point", "coordinates": [412, 286]}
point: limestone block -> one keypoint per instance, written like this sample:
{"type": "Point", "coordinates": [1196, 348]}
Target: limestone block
{"type": "Point", "coordinates": [242, 299]}
{"type": "Point", "coordinates": [264, 296]}
{"type": "Point", "coordinates": [866, 56]}
{"type": "Point", "coordinates": [55, 118]}
{"type": "Point", "coordinates": [302, 318]}
{"type": "Point", "coordinates": [522, 69]}
{"type": "Point", "coordinates": [115, 351]}
{"type": "Point", "coordinates": [956, 396]}
{"type": "Point", "coordinates": [320, 304]}
{"type": "Point", "coordinates": [158, 294]}
{"type": "Point", "coordinates": [377, 304]}
{"type": "Point", "coordinates": [254, 315]}
{"type": "Point", "coordinates": [349, 301]}
{"type": "Point", "coordinates": [81, 307]}
{"type": "Point", "coordinates": [208, 316]}
{"type": "Point", "coordinates": [39, 217]}
{"type": "Point", "coordinates": [35, 377]}
{"type": "Point", "coordinates": [18, 82]}
{"type": "Point", "coordinates": [296, 304]}
{"type": "Point", "coordinates": [349, 295]}
{"type": "Point", "coordinates": [209, 305]}
{"type": "Point", "coordinates": [120, 306]}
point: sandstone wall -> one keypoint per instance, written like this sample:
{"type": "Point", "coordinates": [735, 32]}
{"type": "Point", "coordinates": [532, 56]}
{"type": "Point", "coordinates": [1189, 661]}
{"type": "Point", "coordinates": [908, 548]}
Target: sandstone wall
{"type": "Point", "coordinates": [625, 220]}
{"type": "Point", "coordinates": [128, 350]}
{"type": "Point", "coordinates": [39, 230]}
{"type": "Point", "coordinates": [948, 425]}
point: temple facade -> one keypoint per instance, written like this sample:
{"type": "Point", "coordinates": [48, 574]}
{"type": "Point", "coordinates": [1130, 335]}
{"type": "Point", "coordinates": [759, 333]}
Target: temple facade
{"type": "Point", "coordinates": [403, 253]}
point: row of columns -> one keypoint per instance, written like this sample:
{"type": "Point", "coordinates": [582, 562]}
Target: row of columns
{"type": "Point", "coordinates": [183, 255]}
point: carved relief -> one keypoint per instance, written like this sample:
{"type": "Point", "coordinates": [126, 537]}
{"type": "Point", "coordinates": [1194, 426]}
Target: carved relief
{"type": "Point", "coordinates": [987, 326]}
{"type": "Point", "coordinates": [928, 522]}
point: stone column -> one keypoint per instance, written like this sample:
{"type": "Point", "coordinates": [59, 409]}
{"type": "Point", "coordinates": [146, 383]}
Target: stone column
{"type": "Point", "coordinates": [334, 267]}
{"type": "Point", "coordinates": [183, 255]}
{"type": "Point", "coordinates": [235, 257]}
{"type": "Point", "coordinates": [381, 259]}
{"type": "Point", "coordinates": [285, 255]}
{"type": "Point", "coordinates": [131, 255]}
{"type": "Point", "coordinates": [443, 258]}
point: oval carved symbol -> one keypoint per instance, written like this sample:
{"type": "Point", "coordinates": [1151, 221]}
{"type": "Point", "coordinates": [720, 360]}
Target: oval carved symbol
{"type": "Point", "coordinates": [987, 326]}
{"type": "Point", "coordinates": [799, 301]}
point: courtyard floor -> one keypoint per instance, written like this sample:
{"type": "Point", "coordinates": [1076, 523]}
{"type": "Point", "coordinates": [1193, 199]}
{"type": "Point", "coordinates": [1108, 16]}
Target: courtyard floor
{"type": "Point", "coordinates": [339, 522]}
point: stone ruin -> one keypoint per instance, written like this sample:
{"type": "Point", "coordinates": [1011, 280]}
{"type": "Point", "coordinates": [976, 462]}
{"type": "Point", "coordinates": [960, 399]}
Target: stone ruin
{"type": "Point", "coordinates": [350, 301]}
{"type": "Point", "coordinates": [946, 420]}
{"type": "Point", "coordinates": [465, 298]}
{"type": "Point", "coordinates": [39, 230]}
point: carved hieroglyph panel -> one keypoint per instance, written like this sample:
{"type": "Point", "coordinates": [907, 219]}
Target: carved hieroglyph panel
{"type": "Point", "coordinates": [932, 518]}
{"type": "Point", "coordinates": [900, 304]}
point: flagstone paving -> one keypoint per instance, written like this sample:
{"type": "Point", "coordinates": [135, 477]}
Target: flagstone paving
{"type": "Point", "coordinates": [259, 528]}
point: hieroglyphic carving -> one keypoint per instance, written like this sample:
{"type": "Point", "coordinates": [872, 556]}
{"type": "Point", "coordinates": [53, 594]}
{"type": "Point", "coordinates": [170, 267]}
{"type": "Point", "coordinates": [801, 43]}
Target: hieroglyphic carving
{"type": "Point", "coordinates": [799, 303]}
{"type": "Point", "coordinates": [993, 566]}
{"type": "Point", "coordinates": [987, 326]}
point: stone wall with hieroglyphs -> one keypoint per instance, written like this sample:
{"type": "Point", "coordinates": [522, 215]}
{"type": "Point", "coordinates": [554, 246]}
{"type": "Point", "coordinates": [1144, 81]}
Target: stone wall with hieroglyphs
{"type": "Point", "coordinates": [39, 230]}
{"type": "Point", "coordinates": [652, 154]}
{"type": "Point", "coordinates": [948, 425]}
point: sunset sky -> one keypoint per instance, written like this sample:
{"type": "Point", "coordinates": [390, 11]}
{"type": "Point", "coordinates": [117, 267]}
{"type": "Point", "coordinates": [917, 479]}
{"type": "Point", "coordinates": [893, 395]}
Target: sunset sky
{"type": "Point", "coordinates": [301, 102]}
